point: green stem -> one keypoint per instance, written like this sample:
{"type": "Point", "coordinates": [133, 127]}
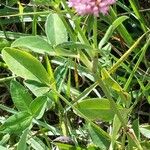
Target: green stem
{"type": "Point", "coordinates": [34, 23]}
{"type": "Point", "coordinates": [8, 109]}
{"type": "Point", "coordinates": [123, 140]}
{"type": "Point", "coordinates": [95, 32]}
{"type": "Point", "coordinates": [134, 138]}
{"type": "Point", "coordinates": [26, 14]}
{"type": "Point", "coordinates": [112, 103]}
{"type": "Point", "coordinates": [50, 71]}
{"type": "Point", "coordinates": [127, 53]}
{"type": "Point", "coordinates": [21, 9]}
{"type": "Point", "coordinates": [62, 124]}
{"type": "Point", "coordinates": [81, 36]}
{"type": "Point", "coordinates": [45, 137]}
{"type": "Point", "coordinates": [4, 31]}
{"type": "Point", "coordinates": [95, 50]}
{"type": "Point", "coordinates": [96, 74]}
{"type": "Point", "coordinates": [85, 60]}
{"type": "Point", "coordinates": [82, 115]}
{"type": "Point", "coordinates": [2, 80]}
{"type": "Point", "coordinates": [137, 64]}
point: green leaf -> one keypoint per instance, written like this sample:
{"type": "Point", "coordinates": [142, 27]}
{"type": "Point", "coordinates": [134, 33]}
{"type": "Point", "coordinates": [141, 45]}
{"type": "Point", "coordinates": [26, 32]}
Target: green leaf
{"type": "Point", "coordinates": [66, 53]}
{"type": "Point", "coordinates": [25, 65]}
{"type": "Point", "coordinates": [110, 30]}
{"type": "Point", "coordinates": [131, 143]}
{"type": "Point", "coordinates": [16, 123]}
{"type": "Point", "coordinates": [115, 130]}
{"type": "Point", "coordinates": [96, 108]}
{"type": "Point", "coordinates": [4, 139]}
{"type": "Point", "coordinates": [20, 96]}
{"type": "Point", "coordinates": [4, 43]}
{"type": "Point", "coordinates": [132, 140]}
{"type": "Point", "coordinates": [65, 146]}
{"type": "Point", "coordinates": [135, 126]}
{"type": "Point", "coordinates": [121, 28]}
{"type": "Point", "coordinates": [73, 45]}
{"type": "Point", "coordinates": [37, 143]}
{"type": "Point", "coordinates": [60, 76]}
{"type": "Point", "coordinates": [119, 21]}
{"type": "Point", "coordinates": [38, 106]}
{"type": "Point", "coordinates": [108, 80]}
{"type": "Point", "coordinates": [145, 144]}
{"type": "Point", "coordinates": [37, 88]}
{"type": "Point", "coordinates": [86, 92]}
{"type": "Point", "coordinates": [70, 49]}
{"type": "Point", "coordinates": [3, 148]}
{"type": "Point", "coordinates": [50, 71]}
{"type": "Point", "coordinates": [97, 138]}
{"type": "Point", "coordinates": [23, 139]}
{"type": "Point", "coordinates": [34, 43]}
{"type": "Point", "coordinates": [55, 29]}
{"type": "Point", "coordinates": [145, 130]}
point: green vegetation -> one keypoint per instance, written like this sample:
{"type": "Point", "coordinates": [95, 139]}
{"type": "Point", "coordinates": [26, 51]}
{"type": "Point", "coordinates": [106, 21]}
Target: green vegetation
{"type": "Point", "coordinates": [74, 82]}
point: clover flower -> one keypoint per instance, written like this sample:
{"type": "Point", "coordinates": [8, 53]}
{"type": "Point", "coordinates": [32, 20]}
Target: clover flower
{"type": "Point", "coordinates": [94, 7]}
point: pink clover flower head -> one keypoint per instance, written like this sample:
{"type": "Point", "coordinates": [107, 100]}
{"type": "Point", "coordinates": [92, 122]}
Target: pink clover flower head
{"type": "Point", "coordinates": [94, 7]}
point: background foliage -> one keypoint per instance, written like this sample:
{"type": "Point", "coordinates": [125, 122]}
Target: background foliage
{"type": "Point", "coordinates": [74, 82]}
